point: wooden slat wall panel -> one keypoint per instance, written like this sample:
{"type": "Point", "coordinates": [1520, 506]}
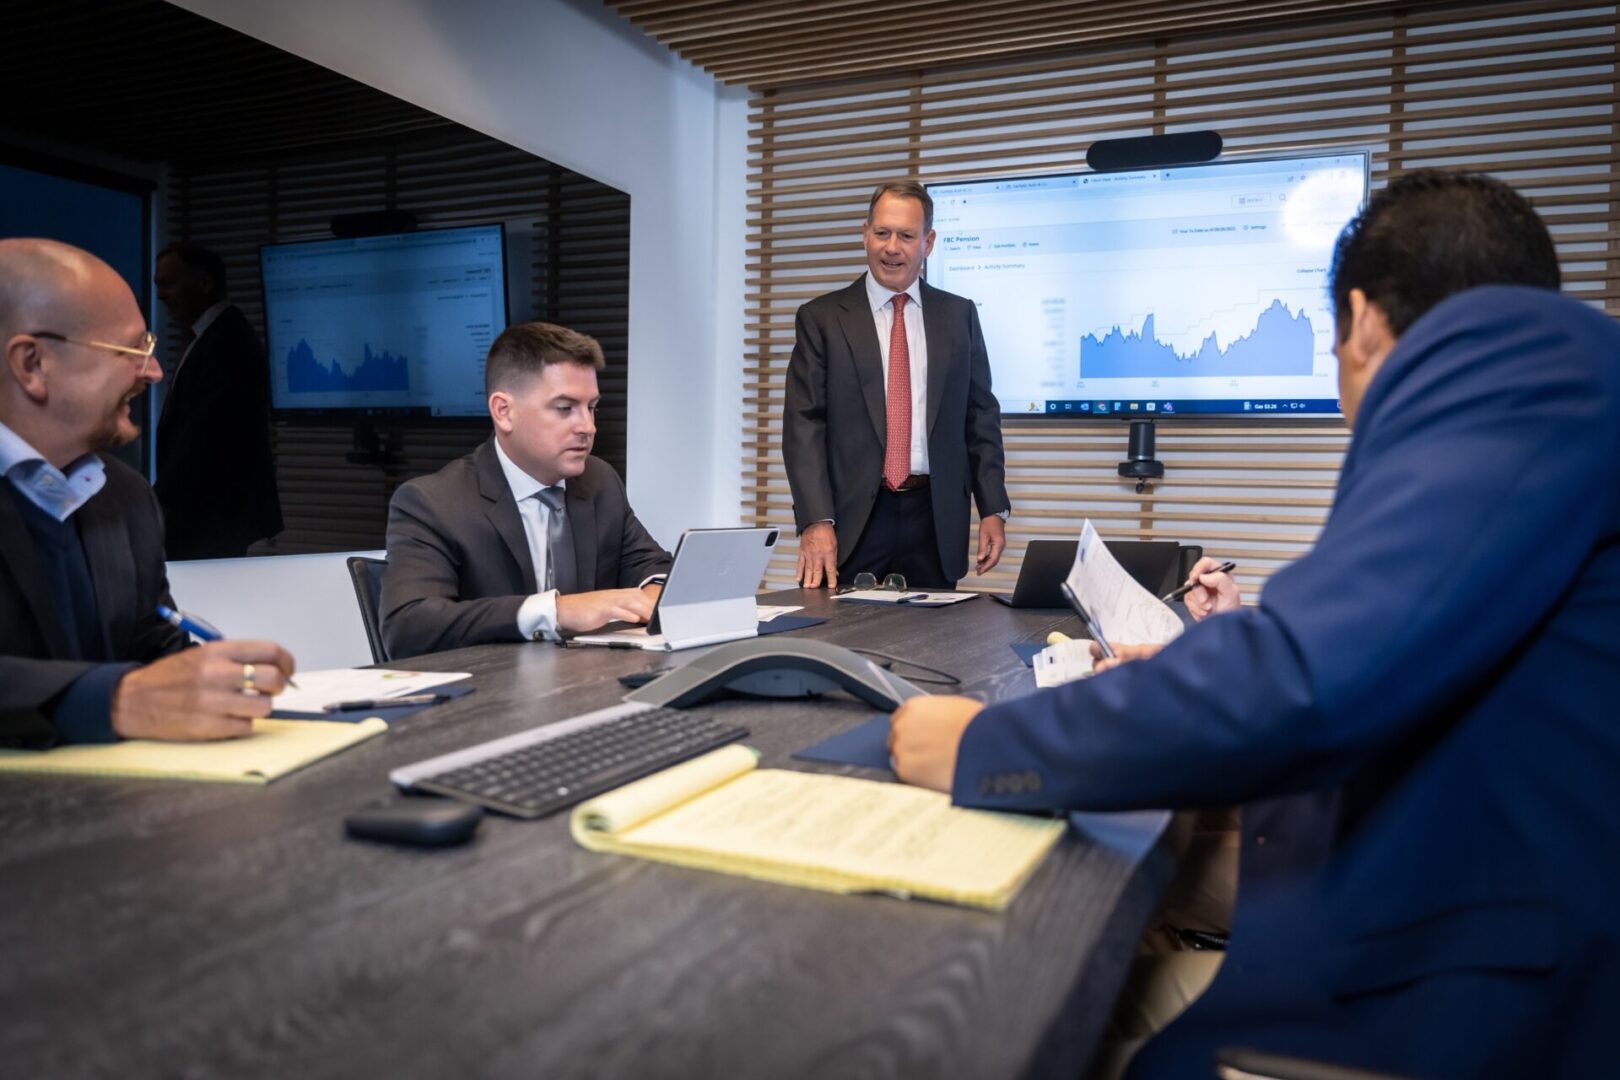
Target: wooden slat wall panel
{"type": "Point", "coordinates": [568, 235]}
{"type": "Point", "coordinates": [771, 43]}
{"type": "Point", "coordinates": [1526, 91]}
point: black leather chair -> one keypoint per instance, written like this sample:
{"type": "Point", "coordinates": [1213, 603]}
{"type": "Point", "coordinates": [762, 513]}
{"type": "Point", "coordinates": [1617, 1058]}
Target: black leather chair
{"type": "Point", "coordinates": [367, 575]}
{"type": "Point", "coordinates": [1190, 554]}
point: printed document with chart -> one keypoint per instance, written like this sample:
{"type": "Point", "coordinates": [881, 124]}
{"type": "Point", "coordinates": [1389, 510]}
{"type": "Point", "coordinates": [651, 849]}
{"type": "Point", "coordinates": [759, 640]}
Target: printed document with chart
{"type": "Point", "coordinates": [1125, 612]}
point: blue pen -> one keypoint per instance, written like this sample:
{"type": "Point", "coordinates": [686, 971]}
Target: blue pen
{"type": "Point", "coordinates": [197, 627]}
{"type": "Point", "coordinates": [191, 624]}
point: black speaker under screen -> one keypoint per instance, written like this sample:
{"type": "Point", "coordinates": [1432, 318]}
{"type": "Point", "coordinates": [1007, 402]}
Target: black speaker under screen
{"type": "Point", "coordinates": [1154, 151]}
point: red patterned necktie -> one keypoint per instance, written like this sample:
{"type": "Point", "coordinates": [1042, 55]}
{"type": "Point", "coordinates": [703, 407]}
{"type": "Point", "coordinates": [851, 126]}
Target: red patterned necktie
{"type": "Point", "coordinates": [897, 449]}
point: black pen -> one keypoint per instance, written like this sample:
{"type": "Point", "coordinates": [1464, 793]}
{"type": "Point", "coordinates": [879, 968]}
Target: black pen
{"type": "Point", "coordinates": [1177, 594]}
{"type": "Point", "coordinates": [387, 703]}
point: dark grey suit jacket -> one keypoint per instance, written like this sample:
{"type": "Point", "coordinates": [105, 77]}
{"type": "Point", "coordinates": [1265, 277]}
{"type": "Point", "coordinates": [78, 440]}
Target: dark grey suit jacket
{"type": "Point", "coordinates": [216, 479]}
{"type": "Point", "coordinates": [123, 545]}
{"type": "Point", "coordinates": [834, 418]}
{"type": "Point", "coordinates": [458, 559]}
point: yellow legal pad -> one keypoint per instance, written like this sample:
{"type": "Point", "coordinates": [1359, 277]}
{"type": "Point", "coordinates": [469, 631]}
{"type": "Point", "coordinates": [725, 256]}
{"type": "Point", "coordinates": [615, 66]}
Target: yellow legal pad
{"type": "Point", "coordinates": [720, 812]}
{"type": "Point", "coordinates": [276, 748]}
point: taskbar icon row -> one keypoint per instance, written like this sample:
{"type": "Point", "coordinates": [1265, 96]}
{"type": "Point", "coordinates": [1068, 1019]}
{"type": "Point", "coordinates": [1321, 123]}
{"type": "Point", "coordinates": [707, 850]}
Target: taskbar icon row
{"type": "Point", "coordinates": [1141, 408]}
{"type": "Point", "coordinates": [1106, 408]}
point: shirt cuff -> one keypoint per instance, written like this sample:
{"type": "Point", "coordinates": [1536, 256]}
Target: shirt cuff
{"type": "Point", "coordinates": [83, 712]}
{"type": "Point", "coordinates": [654, 579]}
{"type": "Point", "coordinates": [537, 617]}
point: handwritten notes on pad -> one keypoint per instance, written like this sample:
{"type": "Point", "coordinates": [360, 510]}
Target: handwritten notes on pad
{"type": "Point", "coordinates": [720, 812]}
{"type": "Point", "coordinates": [1124, 611]}
{"type": "Point", "coordinates": [276, 748]}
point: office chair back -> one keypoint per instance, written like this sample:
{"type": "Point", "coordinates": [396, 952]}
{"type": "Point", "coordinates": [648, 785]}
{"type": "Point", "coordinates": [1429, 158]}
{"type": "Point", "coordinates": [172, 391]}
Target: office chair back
{"type": "Point", "coordinates": [1190, 554]}
{"type": "Point", "coordinates": [367, 575]}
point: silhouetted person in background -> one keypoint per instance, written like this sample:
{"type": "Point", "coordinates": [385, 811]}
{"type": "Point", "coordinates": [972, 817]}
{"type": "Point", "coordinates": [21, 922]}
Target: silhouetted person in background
{"type": "Point", "coordinates": [216, 480]}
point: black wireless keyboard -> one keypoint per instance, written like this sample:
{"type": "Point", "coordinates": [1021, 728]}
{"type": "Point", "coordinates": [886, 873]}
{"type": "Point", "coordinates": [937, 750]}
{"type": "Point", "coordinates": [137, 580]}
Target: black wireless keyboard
{"type": "Point", "coordinates": [546, 769]}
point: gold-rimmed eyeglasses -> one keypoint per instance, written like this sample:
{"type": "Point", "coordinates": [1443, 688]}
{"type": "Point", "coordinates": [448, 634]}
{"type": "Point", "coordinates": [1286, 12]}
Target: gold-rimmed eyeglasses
{"type": "Point", "coordinates": [144, 350]}
{"type": "Point", "coordinates": [866, 582]}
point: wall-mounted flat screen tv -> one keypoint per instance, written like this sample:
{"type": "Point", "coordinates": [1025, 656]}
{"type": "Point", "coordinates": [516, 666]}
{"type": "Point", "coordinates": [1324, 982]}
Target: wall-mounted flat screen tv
{"type": "Point", "coordinates": [1196, 289]}
{"type": "Point", "coordinates": [384, 326]}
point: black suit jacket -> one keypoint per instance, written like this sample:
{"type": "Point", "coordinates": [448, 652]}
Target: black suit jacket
{"type": "Point", "coordinates": [216, 480]}
{"type": "Point", "coordinates": [834, 418]}
{"type": "Point", "coordinates": [458, 559]}
{"type": "Point", "coordinates": [123, 544]}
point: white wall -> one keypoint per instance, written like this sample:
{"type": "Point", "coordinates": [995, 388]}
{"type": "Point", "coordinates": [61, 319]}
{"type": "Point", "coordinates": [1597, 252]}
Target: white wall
{"type": "Point", "coordinates": [572, 82]}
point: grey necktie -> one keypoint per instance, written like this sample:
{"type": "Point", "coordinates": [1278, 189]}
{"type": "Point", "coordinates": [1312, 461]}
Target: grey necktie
{"type": "Point", "coordinates": [559, 542]}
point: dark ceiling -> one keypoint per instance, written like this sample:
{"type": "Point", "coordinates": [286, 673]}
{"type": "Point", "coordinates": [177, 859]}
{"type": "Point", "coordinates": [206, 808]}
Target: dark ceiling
{"type": "Point", "coordinates": [146, 81]}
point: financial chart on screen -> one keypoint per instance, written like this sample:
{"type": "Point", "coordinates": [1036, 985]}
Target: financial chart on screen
{"type": "Point", "coordinates": [395, 325]}
{"type": "Point", "coordinates": [1194, 289]}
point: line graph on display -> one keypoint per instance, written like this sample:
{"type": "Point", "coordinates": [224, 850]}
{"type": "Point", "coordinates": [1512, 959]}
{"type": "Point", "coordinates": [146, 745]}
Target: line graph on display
{"type": "Point", "coordinates": [1280, 343]}
{"type": "Point", "coordinates": [379, 371]}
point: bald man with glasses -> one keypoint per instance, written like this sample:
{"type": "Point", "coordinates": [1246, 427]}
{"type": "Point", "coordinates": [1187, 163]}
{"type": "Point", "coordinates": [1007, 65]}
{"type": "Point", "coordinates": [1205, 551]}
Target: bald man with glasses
{"type": "Point", "coordinates": [84, 656]}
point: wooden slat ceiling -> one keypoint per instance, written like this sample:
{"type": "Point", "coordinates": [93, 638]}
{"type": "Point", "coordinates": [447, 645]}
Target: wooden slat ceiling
{"type": "Point", "coordinates": [146, 80]}
{"type": "Point", "coordinates": [763, 43]}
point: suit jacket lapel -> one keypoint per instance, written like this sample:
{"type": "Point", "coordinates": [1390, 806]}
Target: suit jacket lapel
{"type": "Point", "coordinates": [502, 512]}
{"type": "Point", "coordinates": [112, 568]}
{"type": "Point", "coordinates": [860, 332]}
{"type": "Point", "coordinates": [17, 552]}
{"type": "Point", "coordinates": [582, 526]}
{"type": "Point", "coordinates": [941, 350]}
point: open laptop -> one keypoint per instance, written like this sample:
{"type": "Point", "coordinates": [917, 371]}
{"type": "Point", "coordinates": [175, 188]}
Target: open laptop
{"type": "Point", "coordinates": [709, 596]}
{"type": "Point", "coordinates": [1155, 564]}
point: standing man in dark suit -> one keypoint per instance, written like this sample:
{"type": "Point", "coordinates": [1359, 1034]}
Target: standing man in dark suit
{"type": "Point", "coordinates": [529, 536]}
{"type": "Point", "coordinates": [215, 480]}
{"type": "Point", "coordinates": [889, 423]}
{"type": "Point", "coordinates": [1418, 717]}
{"type": "Point", "coordinates": [84, 656]}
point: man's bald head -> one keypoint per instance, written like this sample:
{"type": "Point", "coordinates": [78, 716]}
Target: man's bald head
{"type": "Point", "coordinates": [49, 284]}
{"type": "Point", "coordinates": [69, 325]}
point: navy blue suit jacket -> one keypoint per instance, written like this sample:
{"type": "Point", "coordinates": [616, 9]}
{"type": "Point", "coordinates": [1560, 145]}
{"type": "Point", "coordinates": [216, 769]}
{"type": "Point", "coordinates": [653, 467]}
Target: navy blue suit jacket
{"type": "Point", "coordinates": [122, 535]}
{"type": "Point", "coordinates": [1420, 717]}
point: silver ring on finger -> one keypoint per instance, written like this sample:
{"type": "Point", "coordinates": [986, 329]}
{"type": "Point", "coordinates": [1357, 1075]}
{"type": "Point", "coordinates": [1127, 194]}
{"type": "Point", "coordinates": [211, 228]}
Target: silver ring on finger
{"type": "Point", "coordinates": [248, 686]}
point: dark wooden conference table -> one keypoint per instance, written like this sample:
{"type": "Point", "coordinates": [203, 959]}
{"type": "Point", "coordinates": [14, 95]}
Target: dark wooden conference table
{"type": "Point", "coordinates": [181, 929]}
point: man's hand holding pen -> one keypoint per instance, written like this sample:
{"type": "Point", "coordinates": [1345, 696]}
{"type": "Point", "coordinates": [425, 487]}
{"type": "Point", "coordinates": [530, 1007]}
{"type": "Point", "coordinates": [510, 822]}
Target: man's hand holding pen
{"type": "Point", "coordinates": [214, 691]}
{"type": "Point", "coordinates": [1209, 589]}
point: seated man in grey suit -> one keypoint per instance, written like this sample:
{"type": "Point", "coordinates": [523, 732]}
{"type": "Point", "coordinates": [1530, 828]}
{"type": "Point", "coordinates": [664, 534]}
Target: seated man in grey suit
{"type": "Point", "coordinates": [527, 536]}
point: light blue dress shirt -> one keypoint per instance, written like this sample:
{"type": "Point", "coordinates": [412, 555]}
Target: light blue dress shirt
{"type": "Point", "coordinates": [54, 491]}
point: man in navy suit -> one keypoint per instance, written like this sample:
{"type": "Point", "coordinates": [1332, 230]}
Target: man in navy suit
{"type": "Point", "coordinates": [1418, 717]}
{"type": "Point", "coordinates": [84, 654]}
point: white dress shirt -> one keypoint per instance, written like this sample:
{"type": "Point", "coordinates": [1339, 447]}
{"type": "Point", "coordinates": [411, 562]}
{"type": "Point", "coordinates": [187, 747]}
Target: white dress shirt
{"type": "Point", "coordinates": [537, 617]}
{"type": "Point", "coordinates": [882, 301]}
